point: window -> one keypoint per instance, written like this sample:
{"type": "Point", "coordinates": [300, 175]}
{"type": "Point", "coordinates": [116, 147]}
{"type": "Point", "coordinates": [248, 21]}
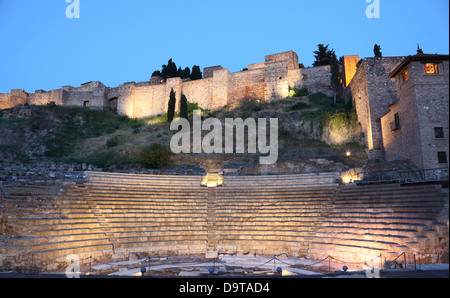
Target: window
{"type": "Point", "coordinates": [439, 132]}
{"type": "Point", "coordinates": [405, 76]}
{"type": "Point", "coordinates": [442, 157]}
{"type": "Point", "coordinates": [396, 120]}
{"type": "Point", "coordinates": [431, 68]}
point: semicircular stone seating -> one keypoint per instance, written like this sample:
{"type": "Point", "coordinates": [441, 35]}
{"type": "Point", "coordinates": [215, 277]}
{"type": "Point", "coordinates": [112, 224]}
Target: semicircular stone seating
{"type": "Point", "coordinates": [113, 215]}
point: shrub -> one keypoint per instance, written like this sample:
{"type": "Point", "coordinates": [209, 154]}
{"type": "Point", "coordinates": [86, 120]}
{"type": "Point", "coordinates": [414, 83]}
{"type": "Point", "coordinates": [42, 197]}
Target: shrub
{"type": "Point", "coordinates": [297, 106]}
{"type": "Point", "coordinates": [299, 92]}
{"type": "Point", "coordinates": [112, 142]}
{"type": "Point", "coordinates": [154, 156]}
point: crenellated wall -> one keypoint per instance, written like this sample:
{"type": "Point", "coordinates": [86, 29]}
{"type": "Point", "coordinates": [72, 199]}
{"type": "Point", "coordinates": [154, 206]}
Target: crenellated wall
{"type": "Point", "coordinates": [269, 80]}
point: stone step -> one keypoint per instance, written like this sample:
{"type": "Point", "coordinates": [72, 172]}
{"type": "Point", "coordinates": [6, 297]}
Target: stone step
{"type": "Point", "coordinates": [275, 191]}
{"type": "Point", "coordinates": [65, 232]}
{"type": "Point", "coordinates": [385, 217]}
{"type": "Point", "coordinates": [146, 185]}
{"type": "Point", "coordinates": [278, 245]}
{"type": "Point", "coordinates": [164, 243]}
{"type": "Point", "coordinates": [266, 197]}
{"type": "Point", "coordinates": [50, 254]}
{"type": "Point", "coordinates": [31, 247]}
{"type": "Point", "coordinates": [230, 231]}
{"type": "Point", "coordinates": [124, 194]}
{"type": "Point", "coordinates": [365, 236]}
{"type": "Point", "coordinates": [387, 186]}
{"type": "Point", "coordinates": [150, 226]}
{"type": "Point", "coordinates": [392, 229]}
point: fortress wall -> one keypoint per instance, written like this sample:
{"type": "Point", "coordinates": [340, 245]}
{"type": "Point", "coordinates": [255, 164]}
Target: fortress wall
{"type": "Point", "coordinates": [18, 97]}
{"type": "Point", "coordinates": [382, 92]}
{"type": "Point", "coordinates": [177, 85]}
{"type": "Point", "coordinates": [125, 103]}
{"type": "Point", "coordinates": [276, 79]}
{"type": "Point", "coordinates": [148, 101]}
{"type": "Point", "coordinates": [358, 90]}
{"type": "Point", "coordinates": [248, 84]}
{"type": "Point", "coordinates": [39, 98]}
{"type": "Point", "coordinates": [77, 98]}
{"type": "Point", "coordinates": [316, 79]}
{"type": "Point", "coordinates": [5, 101]}
{"type": "Point", "coordinates": [290, 57]}
{"type": "Point", "coordinates": [221, 82]}
{"type": "Point", "coordinates": [256, 66]}
{"type": "Point", "coordinates": [199, 91]}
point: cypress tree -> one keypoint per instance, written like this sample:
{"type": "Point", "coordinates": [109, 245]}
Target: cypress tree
{"type": "Point", "coordinates": [183, 107]}
{"type": "Point", "coordinates": [171, 108]}
{"type": "Point", "coordinates": [377, 50]}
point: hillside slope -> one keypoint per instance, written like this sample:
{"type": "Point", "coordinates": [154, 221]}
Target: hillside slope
{"type": "Point", "coordinates": [307, 126]}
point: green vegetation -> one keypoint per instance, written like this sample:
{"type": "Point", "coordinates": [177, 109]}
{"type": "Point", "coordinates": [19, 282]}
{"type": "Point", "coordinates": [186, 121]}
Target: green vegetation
{"type": "Point", "coordinates": [183, 107]}
{"type": "Point", "coordinates": [377, 50]}
{"type": "Point", "coordinates": [298, 92]}
{"type": "Point", "coordinates": [155, 156]}
{"type": "Point", "coordinates": [335, 116]}
{"type": "Point", "coordinates": [171, 108]}
{"type": "Point", "coordinates": [170, 70]}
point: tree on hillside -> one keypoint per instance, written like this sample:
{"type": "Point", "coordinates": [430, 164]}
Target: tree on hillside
{"type": "Point", "coordinates": [171, 108]}
{"type": "Point", "coordinates": [322, 55]}
{"type": "Point", "coordinates": [196, 73]}
{"type": "Point", "coordinates": [334, 63]}
{"type": "Point", "coordinates": [377, 50]}
{"type": "Point", "coordinates": [183, 107]}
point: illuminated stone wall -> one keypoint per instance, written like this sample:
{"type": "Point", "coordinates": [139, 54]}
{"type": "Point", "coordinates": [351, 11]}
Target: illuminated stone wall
{"type": "Point", "coordinates": [316, 79]}
{"type": "Point", "coordinates": [349, 67]}
{"type": "Point", "coordinates": [372, 92]}
{"type": "Point", "coordinates": [268, 80]}
{"type": "Point", "coordinates": [422, 105]}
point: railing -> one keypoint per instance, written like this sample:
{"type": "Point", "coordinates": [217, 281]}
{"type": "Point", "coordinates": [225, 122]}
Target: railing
{"type": "Point", "coordinates": [412, 176]}
{"type": "Point", "coordinates": [411, 261]}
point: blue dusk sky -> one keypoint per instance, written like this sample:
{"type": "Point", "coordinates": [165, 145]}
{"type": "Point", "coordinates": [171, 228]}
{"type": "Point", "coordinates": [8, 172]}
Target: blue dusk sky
{"type": "Point", "coordinates": [117, 41]}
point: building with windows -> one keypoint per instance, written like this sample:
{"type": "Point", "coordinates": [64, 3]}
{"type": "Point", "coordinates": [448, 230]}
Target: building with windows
{"type": "Point", "coordinates": [417, 126]}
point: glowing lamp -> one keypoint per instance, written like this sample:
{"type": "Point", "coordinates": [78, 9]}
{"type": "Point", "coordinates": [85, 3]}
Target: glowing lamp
{"type": "Point", "coordinates": [348, 154]}
{"type": "Point", "coordinates": [143, 269]}
{"type": "Point", "coordinates": [279, 270]}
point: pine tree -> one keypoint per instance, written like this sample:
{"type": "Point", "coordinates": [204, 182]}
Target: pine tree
{"type": "Point", "coordinates": [196, 74]}
{"type": "Point", "coordinates": [171, 108]}
{"type": "Point", "coordinates": [322, 55]}
{"type": "Point", "coordinates": [377, 51]}
{"type": "Point", "coordinates": [183, 107]}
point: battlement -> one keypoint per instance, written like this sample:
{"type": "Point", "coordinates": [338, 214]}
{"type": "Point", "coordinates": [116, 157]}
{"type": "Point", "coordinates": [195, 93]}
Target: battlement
{"type": "Point", "coordinates": [264, 81]}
